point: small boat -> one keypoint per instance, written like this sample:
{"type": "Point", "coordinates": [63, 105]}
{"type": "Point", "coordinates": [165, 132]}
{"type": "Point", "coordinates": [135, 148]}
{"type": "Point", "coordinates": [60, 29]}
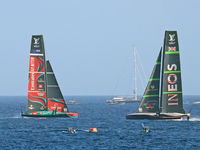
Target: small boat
{"type": "Point", "coordinates": [186, 102]}
{"type": "Point", "coordinates": [70, 130]}
{"type": "Point", "coordinates": [145, 129]}
{"type": "Point", "coordinates": [197, 102]}
{"type": "Point", "coordinates": [166, 81]}
{"type": "Point", "coordinates": [110, 102]}
{"type": "Point", "coordinates": [120, 100]}
{"type": "Point", "coordinates": [72, 102]}
{"type": "Point", "coordinates": [45, 98]}
{"type": "Point", "coordinates": [115, 101]}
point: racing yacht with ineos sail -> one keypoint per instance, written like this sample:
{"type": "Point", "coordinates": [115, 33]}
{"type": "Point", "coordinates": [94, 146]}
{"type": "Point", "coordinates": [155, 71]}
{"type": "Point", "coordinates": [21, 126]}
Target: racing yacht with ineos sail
{"type": "Point", "coordinates": [165, 82]}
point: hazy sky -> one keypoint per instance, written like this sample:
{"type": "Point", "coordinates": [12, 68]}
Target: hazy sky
{"type": "Point", "coordinates": [89, 42]}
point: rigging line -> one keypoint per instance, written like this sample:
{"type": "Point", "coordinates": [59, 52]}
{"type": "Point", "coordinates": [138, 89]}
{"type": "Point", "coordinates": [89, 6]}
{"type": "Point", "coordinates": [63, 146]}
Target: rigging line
{"type": "Point", "coordinates": [140, 77]}
{"type": "Point", "coordinates": [130, 82]}
{"type": "Point", "coordinates": [121, 73]}
{"type": "Point", "coordinates": [141, 66]}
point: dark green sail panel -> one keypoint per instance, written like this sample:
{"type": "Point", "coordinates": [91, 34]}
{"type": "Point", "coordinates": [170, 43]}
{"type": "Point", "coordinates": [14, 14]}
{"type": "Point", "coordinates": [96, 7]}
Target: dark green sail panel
{"type": "Point", "coordinates": [37, 72]}
{"type": "Point", "coordinates": [150, 99]}
{"type": "Point", "coordinates": [54, 95]}
{"type": "Point", "coordinates": [171, 90]}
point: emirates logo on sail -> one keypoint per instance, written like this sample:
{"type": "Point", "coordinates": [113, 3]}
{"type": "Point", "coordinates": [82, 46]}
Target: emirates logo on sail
{"type": "Point", "coordinates": [172, 86]}
{"type": "Point", "coordinates": [32, 75]}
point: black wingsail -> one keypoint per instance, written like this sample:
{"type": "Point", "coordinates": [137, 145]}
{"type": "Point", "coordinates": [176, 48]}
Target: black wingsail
{"type": "Point", "coordinates": [54, 95]}
{"type": "Point", "coordinates": [150, 99]}
{"type": "Point", "coordinates": [37, 76]}
{"type": "Point", "coordinates": [171, 90]}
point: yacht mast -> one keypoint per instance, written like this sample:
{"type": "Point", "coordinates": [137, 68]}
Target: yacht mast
{"type": "Point", "coordinates": [135, 88]}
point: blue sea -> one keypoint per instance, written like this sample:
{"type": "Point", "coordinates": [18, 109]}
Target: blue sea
{"type": "Point", "coordinates": [114, 131]}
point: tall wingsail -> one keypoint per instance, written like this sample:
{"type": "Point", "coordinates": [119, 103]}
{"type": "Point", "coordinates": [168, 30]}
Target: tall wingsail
{"type": "Point", "coordinates": [150, 99]}
{"type": "Point", "coordinates": [54, 95]}
{"type": "Point", "coordinates": [44, 96]}
{"type": "Point", "coordinates": [171, 102]}
{"type": "Point", "coordinates": [171, 90]}
{"type": "Point", "coordinates": [36, 83]}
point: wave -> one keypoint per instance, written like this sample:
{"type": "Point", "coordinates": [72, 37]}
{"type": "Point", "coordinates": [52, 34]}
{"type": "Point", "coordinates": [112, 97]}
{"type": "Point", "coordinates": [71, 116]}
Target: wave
{"type": "Point", "coordinates": [195, 119]}
{"type": "Point", "coordinates": [8, 117]}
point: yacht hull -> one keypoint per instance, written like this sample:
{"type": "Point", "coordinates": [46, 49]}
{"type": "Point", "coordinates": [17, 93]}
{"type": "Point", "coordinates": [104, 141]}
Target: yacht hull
{"type": "Point", "coordinates": [156, 116]}
{"type": "Point", "coordinates": [50, 114]}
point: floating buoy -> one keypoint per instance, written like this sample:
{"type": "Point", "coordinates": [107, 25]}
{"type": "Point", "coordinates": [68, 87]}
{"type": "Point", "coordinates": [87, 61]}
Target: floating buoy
{"type": "Point", "coordinates": [92, 129]}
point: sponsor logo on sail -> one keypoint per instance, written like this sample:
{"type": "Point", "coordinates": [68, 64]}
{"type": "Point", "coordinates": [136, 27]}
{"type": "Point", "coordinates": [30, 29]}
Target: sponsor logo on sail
{"type": "Point", "coordinates": [32, 74]}
{"type": "Point", "coordinates": [172, 86]}
{"type": "Point", "coordinates": [55, 107]}
{"type": "Point", "coordinates": [152, 88]}
{"type": "Point", "coordinates": [36, 51]}
{"type": "Point", "coordinates": [172, 99]}
{"type": "Point", "coordinates": [40, 94]}
{"type": "Point", "coordinates": [172, 39]}
{"type": "Point", "coordinates": [36, 42]}
{"type": "Point", "coordinates": [40, 86]}
{"type": "Point", "coordinates": [32, 81]}
{"type": "Point", "coordinates": [149, 107]}
{"type": "Point", "coordinates": [42, 108]}
{"type": "Point", "coordinates": [171, 49]}
{"type": "Point", "coordinates": [31, 107]}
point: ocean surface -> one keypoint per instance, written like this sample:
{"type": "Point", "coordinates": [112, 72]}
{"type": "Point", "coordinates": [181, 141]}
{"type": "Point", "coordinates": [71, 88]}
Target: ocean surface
{"type": "Point", "coordinates": [114, 131]}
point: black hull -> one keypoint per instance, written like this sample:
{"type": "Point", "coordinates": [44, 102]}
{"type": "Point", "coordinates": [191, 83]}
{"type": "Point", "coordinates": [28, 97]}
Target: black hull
{"type": "Point", "coordinates": [156, 117]}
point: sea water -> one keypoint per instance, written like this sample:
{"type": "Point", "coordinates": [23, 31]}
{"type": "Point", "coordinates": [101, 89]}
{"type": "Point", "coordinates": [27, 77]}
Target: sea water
{"type": "Point", "coordinates": [114, 131]}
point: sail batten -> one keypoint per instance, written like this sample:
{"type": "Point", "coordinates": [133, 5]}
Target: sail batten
{"type": "Point", "coordinates": [52, 86]}
{"type": "Point", "coordinates": [36, 54]}
{"type": "Point", "coordinates": [172, 71]}
{"type": "Point", "coordinates": [175, 52]}
{"type": "Point", "coordinates": [177, 92]}
{"type": "Point", "coordinates": [150, 95]}
{"type": "Point", "coordinates": [154, 79]}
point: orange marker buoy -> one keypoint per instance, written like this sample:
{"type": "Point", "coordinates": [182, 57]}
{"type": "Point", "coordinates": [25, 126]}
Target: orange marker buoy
{"type": "Point", "coordinates": [92, 129]}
